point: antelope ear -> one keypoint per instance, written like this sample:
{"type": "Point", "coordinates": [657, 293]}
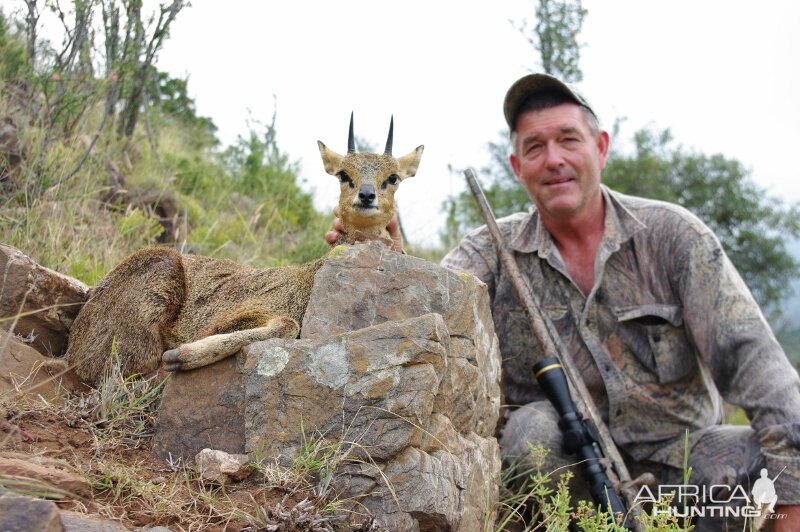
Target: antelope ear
{"type": "Point", "coordinates": [331, 159]}
{"type": "Point", "coordinates": [409, 163]}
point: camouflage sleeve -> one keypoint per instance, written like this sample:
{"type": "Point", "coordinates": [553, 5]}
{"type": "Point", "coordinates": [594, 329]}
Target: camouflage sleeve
{"type": "Point", "coordinates": [475, 254]}
{"type": "Point", "coordinates": [746, 362]}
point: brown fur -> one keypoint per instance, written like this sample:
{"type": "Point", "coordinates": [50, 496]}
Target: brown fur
{"type": "Point", "coordinates": [189, 311]}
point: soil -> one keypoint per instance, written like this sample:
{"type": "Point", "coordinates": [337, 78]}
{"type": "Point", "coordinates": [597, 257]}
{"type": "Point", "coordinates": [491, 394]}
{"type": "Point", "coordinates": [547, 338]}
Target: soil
{"type": "Point", "coordinates": [133, 487]}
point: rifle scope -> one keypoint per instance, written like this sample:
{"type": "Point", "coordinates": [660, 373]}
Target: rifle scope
{"type": "Point", "coordinates": [579, 437]}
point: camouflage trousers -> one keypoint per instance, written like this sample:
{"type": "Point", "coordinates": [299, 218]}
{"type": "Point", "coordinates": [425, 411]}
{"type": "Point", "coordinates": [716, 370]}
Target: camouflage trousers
{"type": "Point", "coordinates": [719, 455]}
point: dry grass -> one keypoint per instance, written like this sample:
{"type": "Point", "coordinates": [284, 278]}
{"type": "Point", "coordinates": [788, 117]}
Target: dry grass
{"type": "Point", "coordinates": [105, 434]}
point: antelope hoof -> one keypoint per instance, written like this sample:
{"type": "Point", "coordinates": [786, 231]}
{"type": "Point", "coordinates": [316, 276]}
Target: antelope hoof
{"type": "Point", "coordinates": [172, 360]}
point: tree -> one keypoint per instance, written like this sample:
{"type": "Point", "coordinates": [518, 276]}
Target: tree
{"type": "Point", "coordinates": [555, 38]}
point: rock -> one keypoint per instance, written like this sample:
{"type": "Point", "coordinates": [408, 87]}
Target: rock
{"type": "Point", "coordinates": [221, 467]}
{"type": "Point", "coordinates": [406, 350]}
{"type": "Point", "coordinates": [397, 372]}
{"type": "Point", "coordinates": [202, 408]}
{"type": "Point", "coordinates": [75, 522]}
{"type": "Point", "coordinates": [359, 286]}
{"type": "Point", "coordinates": [372, 395]}
{"type": "Point", "coordinates": [431, 491]}
{"type": "Point", "coordinates": [49, 477]}
{"type": "Point", "coordinates": [49, 299]}
{"type": "Point", "coordinates": [19, 513]}
{"type": "Point", "coordinates": [375, 387]}
{"type": "Point", "coordinates": [25, 371]}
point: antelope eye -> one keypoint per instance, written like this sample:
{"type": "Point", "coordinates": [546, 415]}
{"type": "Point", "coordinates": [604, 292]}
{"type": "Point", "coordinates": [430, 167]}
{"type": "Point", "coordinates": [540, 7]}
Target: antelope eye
{"type": "Point", "coordinates": [344, 178]}
{"type": "Point", "coordinates": [391, 180]}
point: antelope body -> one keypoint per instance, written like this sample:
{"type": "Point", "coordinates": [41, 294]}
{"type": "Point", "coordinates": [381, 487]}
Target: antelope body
{"type": "Point", "coordinates": [188, 311]}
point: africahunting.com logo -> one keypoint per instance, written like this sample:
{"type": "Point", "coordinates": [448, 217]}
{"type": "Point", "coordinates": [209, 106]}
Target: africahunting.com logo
{"type": "Point", "coordinates": [717, 500]}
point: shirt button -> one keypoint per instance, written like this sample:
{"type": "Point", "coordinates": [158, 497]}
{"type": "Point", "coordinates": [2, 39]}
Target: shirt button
{"type": "Point", "coordinates": [607, 367]}
{"type": "Point", "coordinates": [618, 412]}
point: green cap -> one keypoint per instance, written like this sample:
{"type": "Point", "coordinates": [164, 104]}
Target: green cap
{"type": "Point", "coordinates": [527, 86]}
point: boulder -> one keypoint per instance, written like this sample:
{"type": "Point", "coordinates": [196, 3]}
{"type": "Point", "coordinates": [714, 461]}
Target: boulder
{"type": "Point", "coordinates": [200, 409]}
{"type": "Point", "coordinates": [20, 513]}
{"type": "Point", "coordinates": [364, 285]}
{"type": "Point", "coordinates": [374, 388]}
{"type": "Point", "coordinates": [43, 301]}
{"type": "Point", "coordinates": [396, 376]}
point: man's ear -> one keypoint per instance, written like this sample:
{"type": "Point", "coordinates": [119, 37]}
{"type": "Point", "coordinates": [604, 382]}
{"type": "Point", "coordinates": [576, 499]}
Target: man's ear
{"type": "Point", "coordinates": [603, 145]}
{"type": "Point", "coordinates": [330, 159]}
{"type": "Point", "coordinates": [513, 160]}
{"type": "Point", "coordinates": [408, 164]}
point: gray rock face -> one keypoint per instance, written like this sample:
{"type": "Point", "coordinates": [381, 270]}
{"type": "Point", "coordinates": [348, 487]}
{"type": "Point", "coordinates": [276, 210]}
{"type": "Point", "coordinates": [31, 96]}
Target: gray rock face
{"type": "Point", "coordinates": [19, 513]}
{"type": "Point", "coordinates": [397, 370]}
{"type": "Point", "coordinates": [365, 285]}
{"type": "Point", "coordinates": [202, 409]}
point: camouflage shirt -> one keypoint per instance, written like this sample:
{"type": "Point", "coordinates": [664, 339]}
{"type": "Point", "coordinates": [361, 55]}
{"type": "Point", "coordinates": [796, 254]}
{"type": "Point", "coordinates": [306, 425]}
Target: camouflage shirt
{"type": "Point", "coordinates": [668, 326]}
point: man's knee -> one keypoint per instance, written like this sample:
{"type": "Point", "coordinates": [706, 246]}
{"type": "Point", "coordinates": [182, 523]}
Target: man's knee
{"type": "Point", "coordinates": [534, 424]}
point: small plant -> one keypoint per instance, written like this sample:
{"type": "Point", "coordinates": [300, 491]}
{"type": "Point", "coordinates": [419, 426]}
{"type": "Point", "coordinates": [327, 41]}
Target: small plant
{"type": "Point", "coordinates": [530, 502]}
{"type": "Point", "coordinates": [121, 412]}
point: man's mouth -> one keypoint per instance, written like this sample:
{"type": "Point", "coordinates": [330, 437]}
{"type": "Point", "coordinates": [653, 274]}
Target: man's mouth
{"type": "Point", "coordinates": [558, 180]}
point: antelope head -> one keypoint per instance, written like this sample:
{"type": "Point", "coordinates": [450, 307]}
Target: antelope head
{"type": "Point", "coordinates": [368, 182]}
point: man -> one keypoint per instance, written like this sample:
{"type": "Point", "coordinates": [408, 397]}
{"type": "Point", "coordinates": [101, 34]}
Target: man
{"type": "Point", "coordinates": [649, 307]}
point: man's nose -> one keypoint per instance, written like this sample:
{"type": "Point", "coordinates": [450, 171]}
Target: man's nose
{"type": "Point", "coordinates": [554, 156]}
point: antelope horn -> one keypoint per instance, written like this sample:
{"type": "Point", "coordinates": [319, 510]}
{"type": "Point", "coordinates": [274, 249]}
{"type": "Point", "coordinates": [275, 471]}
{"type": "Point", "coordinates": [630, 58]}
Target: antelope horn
{"type": "Point", "coordinates": [351, 140]}
{"type": "Point", "coordinates": [388, 150]}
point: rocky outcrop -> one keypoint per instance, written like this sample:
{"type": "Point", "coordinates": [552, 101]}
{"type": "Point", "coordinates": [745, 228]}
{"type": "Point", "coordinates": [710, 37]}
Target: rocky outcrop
{"type": "Point", "coordinates": [397, 369]}
{"type": "Point", "coordinates": [40, 304]}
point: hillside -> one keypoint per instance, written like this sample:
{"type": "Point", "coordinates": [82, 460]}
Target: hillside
{"type": "Point", "coordinates": [82, 186]}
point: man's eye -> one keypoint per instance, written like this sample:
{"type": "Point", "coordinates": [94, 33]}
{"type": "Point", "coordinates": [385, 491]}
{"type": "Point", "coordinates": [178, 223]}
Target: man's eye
{"type": "Point", "coordinates": [534, 148]}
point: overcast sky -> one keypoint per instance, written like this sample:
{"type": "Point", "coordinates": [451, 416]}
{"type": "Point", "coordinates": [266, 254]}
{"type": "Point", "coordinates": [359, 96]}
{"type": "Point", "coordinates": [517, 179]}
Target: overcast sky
{"type": "Point", "coordinates": [723, 75]}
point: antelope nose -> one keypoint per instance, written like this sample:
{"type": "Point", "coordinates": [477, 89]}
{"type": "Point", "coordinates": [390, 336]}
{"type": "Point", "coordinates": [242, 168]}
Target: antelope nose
{"type": "Point", "coordinates": [366, 193]}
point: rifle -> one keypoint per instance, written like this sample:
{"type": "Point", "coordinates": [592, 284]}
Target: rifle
{"type": "Point", "coordinates": [553, 373]}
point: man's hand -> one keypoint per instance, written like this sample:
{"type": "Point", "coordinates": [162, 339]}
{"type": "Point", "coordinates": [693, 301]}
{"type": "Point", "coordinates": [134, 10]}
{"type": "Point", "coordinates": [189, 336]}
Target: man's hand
{"type": "Point", "coordinates": [791, 522]}
{"type": "Point", "coordinates": [331, 237]}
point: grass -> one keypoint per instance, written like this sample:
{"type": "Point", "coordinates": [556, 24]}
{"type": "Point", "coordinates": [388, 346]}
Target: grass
{"type": "Point", "coordinates": [131, 486]}
{"type": "Point", "coordinates": [549, 501]}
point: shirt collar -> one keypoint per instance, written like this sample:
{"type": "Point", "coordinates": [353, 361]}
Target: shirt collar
{"type": "Point", "coordinates": [620, 226]}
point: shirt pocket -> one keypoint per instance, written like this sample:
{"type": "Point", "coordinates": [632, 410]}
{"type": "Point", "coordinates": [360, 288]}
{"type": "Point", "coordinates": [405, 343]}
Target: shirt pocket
{"type": "Point", "coordinates": [659, 340]}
